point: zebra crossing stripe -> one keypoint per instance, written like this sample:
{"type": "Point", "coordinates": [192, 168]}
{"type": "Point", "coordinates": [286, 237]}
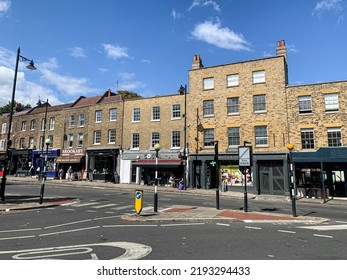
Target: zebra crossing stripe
{"type": "Point", "coordinates": [105, 205]}
{"type": "Point", "coordinates": [84, 204]}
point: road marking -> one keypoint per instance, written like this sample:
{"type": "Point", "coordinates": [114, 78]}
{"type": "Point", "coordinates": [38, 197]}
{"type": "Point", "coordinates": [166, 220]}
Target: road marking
{"type": "Point", "coordinates": [68, 224]}
{"type": "Point", "coordinates": [341, 222]}
{"type": "Point", "coordinates": [105, 205]}
{"type": "Point", "coordinates": [19, 237]}
{"type": "Point", "coordinates": [253, 227]}
{"type": "Point", "coordinates": [84, 204]}
{"type": "Point", "coordinates": [21, 230]}
{"type": "Point", "coordinates": [190, 224]}
{"type": "Point", "coordinates": [320, 235]}
{"type": "Point", "coordinates": [133, 251]}
{"type": "Point", "coordinates": [68, 231]}
{"type": "Point", "coordinates": [327, 227]}
{"type": "Point", "coordinates": [225, 225]}
{"type": "Point", "coordinates": [120, 226]}
{"type": "Point", "coordinates": [286, 231]}
{"type": "Point", "coordinates": [104, 218]}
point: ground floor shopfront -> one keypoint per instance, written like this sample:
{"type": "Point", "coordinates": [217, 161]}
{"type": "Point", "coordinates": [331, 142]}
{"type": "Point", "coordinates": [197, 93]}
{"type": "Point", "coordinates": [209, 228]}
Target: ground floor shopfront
{"type": "Point", "coordinates": [267, 175]}
{"type": "Point", "coordinates": [139, 167]}
{"type": "Point", "coordinates": [321, 173]}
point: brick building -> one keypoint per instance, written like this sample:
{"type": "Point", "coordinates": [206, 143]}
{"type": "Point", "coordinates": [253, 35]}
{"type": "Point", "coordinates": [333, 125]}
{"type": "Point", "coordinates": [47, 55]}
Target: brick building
{"type": "Point", "coordinates": [248, 102]}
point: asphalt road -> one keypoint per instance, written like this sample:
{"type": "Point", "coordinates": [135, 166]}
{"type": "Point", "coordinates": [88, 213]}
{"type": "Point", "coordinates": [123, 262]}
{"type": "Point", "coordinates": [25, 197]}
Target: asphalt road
{"type": "Point", "coordinates": [92, 228]}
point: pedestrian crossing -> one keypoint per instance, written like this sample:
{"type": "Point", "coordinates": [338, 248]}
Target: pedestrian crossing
{"type": "Point", "coordinates": [93, 206]}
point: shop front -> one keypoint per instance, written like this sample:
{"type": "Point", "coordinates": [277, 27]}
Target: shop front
{"type": "Point", "coordinates": [102, 164]}
{"type": "Point", "coordinates": [38, 162]}
{"type": "Point", "coordinates": [139, 166]}
{"type": "Point", "coordinates": [321, 174]}
{"type": "Point", "coordinates": [231, 177]}
{"type": "Point", "coordinates": [74, 158]}
{"type": "Point", "coordinates": [21, 162]}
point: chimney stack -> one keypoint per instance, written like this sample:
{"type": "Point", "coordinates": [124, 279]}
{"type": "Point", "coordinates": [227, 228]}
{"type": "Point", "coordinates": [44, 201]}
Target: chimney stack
{"type": "Point", "coordinates": [197, 62]}
{"type": "Point", "coordinates": [281, 49]}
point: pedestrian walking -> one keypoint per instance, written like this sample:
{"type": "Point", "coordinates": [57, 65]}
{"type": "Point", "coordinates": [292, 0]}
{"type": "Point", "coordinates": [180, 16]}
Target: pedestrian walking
{"type": "Point", "coordinates": [70, 173]}
{"type": "Point", "coordinates": [61, 174]}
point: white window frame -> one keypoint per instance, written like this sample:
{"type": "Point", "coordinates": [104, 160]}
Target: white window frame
{"type": "Point", "coordinates": [136, 115]}
{"type": "Point", "coordinates": [24, 126]}
{"type": "Point", "coordinates": [80, 139]}
{"type": "Point", "coordinates": [72, 121]}
{"type": "Point", "coordinates": [135, 143]}
{"type": "Point", "coordinates": [258, 77]}
{"type": "Point", "coordinates": [334, 139]}
{"type": "Point", "coordinates": [70, 140]}
{"type": "Point", "coordinates": [156, 113]}
{"type": "Point", "coordinates": [259, 103]}
{"type": "Point", "coordinates": [261, 140]}
{"type": "Point", "coordinates": [233, 80]}
{"type": "Point", "coordinates": [208, 83]}
{"type": "Point", "coordinates": [112, 136]}
{"type": "Point", "coordinates": [81, 120]}
{"type": "Point", "coordinates": [176, 111]}
{"type": "Point", "coordinates": [155, 138]}
{"type": "Point", "coordinates": [98, 116]}
{"type": "Point", "coordinates": [175, 139]}
{"type": "Point", "coordinates": [32, 124]}
{"type": "Point", "coordinates": [97, 137]}
{"type": "Point", "coordinates": [331, 101]}
{"type": "Point", "coordinates": [3, 128]}
{"type": "Point", "coordinates": [208, 108]}
{"type": "Point", "coordinates": [113, 114]}
{"type": "Point", "coordinates": [305, 104]}
{"type": "Point", "coordinates": [51, 123]}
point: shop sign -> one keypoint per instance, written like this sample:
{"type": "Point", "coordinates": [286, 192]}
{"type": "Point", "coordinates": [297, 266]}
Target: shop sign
{"type": "Point", "coordinates": [72, 152]}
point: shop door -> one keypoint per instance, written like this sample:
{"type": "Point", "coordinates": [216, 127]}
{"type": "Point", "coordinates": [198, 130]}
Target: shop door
{"type": "Point", "coordinates": [197, 174]}
{"type": "Point", "coordinates": [340, 188]}
{"type": "Point", "coordinates": [271, 177]}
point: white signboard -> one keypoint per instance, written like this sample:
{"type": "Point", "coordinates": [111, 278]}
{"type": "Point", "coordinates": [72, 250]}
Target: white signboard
{"type": "Point", "coordinates": [245, 155]}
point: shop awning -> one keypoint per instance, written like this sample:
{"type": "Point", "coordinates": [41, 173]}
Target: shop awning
{"type": "Point", "coordinates": [71, 159]}
{"type": "Point", "coordinates": [161, 162]}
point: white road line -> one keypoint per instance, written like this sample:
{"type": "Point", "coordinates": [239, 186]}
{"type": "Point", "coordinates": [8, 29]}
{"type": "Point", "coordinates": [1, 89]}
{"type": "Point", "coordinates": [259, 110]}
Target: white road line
{"type": "Point", "coordinates": [320, 235]}
{"type": "Point", "coordinates": [84, 204]}
{"type": "Point", "coordinates": [253, 227]}
{"type": "Point", "coordinates": [109, 217]}
{"type": "Point", "coordinates": [174, 225]}
{"type": "Point", "coordinates": [91, 211]}
{"type": "Point", "coordinates": [105, 205]}
{"type": "Point", "coordinates": [67, 224]}
{"type": "Point", "coordinates": [120, 226]}
{"type": "Point", "coordinates": [327, 227]}
{"type": "Point", "coordinates": [21, 230]}
{"type": "Point", "coordinates": [18, 237]}
{"type": "Point", "coordinates": [225, 225]}
{"type": "Point", "coordinates": [341, 222]}
{"type": "Point", "coordinates": [286, 231]}
{"type": "Point", "coordinates": [68, 231]}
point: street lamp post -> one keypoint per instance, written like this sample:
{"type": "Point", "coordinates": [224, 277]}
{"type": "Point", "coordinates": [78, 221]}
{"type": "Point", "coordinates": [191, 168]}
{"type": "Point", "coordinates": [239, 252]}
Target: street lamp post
{"type": "Point", "coordinates": [9, 141]}
{"type": "Point", "coordinates": [290, 147]}
{"type": "Point", "coordinates": [47, 142]}
{"type": "Point", "coordinates": [157, 149]}
{"type": "Point", "coordinates": [183, 90]}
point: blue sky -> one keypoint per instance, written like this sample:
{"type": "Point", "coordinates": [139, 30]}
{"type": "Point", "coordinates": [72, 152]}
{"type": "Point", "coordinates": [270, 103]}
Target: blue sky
{"type": "Point", "coordinates": [147, 46]}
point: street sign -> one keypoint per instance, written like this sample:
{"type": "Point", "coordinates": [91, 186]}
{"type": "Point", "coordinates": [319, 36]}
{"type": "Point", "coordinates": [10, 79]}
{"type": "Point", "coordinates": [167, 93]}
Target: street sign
{"type": "Point", "coordinates": [138, 201]}
{"type": "Point", "coordinates": [245, 156]}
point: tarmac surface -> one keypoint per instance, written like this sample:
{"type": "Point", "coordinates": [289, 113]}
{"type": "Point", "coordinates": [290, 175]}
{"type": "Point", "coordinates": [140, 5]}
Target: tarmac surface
{"type": "Point", "coordinates": [181, 213]}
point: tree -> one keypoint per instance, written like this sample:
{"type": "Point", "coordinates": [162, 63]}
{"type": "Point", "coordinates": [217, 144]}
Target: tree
{"type": "Point", "coordinates": [129, 94]}
{"type": "Point", "coordinates": [18, 107]}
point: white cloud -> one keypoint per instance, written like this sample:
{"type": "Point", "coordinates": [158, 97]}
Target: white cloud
{"type": "Point", "coordinates": [64, 83]}
{"type": "Point", "coordinates": [77, 52]}
{"type": "Point", "coordinates": [127, 82]}
{"type": "Point", "coordinates": [115, 52]}
{"type": "Point", "coordinates": [176, 15]}
{"type": "Point", "coordinates": [205, 3]}
{"type": "Point", "coordinates": [221, 37]}
{"type": "Point", "coordinates": [329, 6]}
{"type": "Point", "coordinates": [144, 60]}
{"type": "Point", "coordinates": [4, 6]}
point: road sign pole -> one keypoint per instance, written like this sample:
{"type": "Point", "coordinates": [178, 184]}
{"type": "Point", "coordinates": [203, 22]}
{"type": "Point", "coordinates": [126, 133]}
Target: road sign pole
{"type": "Point", "coordinates": [245, 199]}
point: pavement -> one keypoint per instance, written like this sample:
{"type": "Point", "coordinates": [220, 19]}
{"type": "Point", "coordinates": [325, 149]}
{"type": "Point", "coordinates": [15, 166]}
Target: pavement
{"type": "Point", "coordinates": [183, 213]}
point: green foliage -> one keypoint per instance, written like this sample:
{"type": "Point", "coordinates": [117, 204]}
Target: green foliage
{"type": "Point", "coordinates": [18, 107]}
{"type": "Point", "coordinates": [129, 94]}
